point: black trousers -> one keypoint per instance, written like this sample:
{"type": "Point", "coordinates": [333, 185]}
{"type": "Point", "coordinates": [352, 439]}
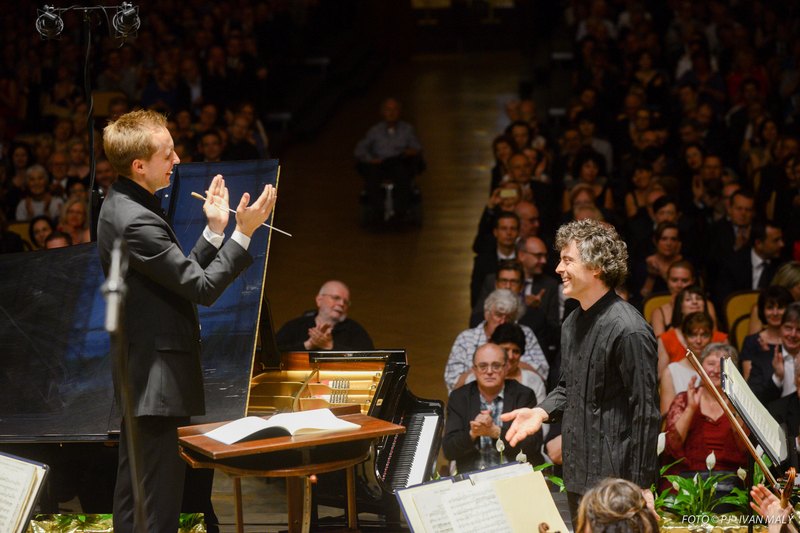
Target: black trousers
{"type": "Point", "coordinates": [162, 475]}
{"type": "Point", "coordinates": [574, 500]}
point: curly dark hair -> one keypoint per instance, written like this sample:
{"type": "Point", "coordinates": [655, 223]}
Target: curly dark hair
{"type": "Point", "coordinates": [599, 246]}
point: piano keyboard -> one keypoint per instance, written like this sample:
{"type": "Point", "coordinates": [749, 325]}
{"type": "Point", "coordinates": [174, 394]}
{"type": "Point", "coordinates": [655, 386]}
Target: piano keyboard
{"type": "Point", "coordinates": [411, 451]}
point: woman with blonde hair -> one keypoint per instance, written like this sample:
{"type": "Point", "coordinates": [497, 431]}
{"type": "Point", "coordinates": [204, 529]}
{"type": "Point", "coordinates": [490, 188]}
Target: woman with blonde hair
{"type": "Point", "coordinates": [618, 506]}
{"type": "Point", "coordinates": [74, 220]}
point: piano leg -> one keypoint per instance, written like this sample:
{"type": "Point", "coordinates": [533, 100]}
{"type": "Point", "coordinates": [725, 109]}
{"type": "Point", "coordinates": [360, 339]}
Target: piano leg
{"type": "Point", "coordinates": [352, 514]}
{"type": "Point", "coordinates": [237, 498]}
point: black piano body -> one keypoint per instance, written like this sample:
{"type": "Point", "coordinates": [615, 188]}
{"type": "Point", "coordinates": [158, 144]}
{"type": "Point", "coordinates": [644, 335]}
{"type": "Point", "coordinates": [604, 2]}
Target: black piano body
{"type": "Point", "coordinates": [375, 380]}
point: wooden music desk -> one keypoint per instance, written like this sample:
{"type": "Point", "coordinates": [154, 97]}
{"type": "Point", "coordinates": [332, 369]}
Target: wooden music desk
{"type": "Point", "coordinates": [295, 458]}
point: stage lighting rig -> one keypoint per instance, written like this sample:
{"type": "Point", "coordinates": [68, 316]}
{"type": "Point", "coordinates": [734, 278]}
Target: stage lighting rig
{"type": "Point", "coordinates": [124, 23]}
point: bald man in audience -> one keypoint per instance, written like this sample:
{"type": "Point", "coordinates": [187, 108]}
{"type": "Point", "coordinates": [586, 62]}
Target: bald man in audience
{"type": "Point", "coordinates": [326, 328]}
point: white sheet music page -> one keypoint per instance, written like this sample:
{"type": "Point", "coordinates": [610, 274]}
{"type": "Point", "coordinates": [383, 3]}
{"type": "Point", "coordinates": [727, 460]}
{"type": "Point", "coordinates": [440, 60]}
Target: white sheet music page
{"type": "Point", "coordinates": [16, 483]}
{"type": "Point", "coordinates": [475, 509]}
{"type": "Point", "coordinates": [753, 412]}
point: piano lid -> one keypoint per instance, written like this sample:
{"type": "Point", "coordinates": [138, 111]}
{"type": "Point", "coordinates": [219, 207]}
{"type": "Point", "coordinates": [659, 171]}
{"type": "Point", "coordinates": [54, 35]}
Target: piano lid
{"type": "Point", "coordinates": [55, 378]}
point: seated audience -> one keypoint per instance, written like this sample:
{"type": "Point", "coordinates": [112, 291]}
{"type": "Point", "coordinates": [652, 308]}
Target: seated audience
{"type": "Point", "coordinates": [786, 410]}
{"type": "Point", "coordinates": [502, 148]}
{"type": "Point", "coordinates": [473, 425]}
{"type": "Point", "coordinates": [511, 338]}
{"type": "Point", "coordinates": [501, 306]}
{"type": "Point", "coordinates": [588, 169]}
{"type": "Point", "coordinates": [39, 228]}
{"type": "Point", "coordinates": [390, 151]}
{"type": "Point", "coordinates": [505, 232]}
{"type": "Point", "coordinates": [672, 343]}
{"type": "Point", "coordinates": [759, 348]}
{"type": "Point", "coordinates": [696, 329]}
{"type": "Point", "coordinates": [74, 220]}
{"type": "Point", "coordinates": [616, 506]}
{"type": "Point", "coordinates": [38, 200]}
{"type": "Point", "coordinates": [771, 383]}
{"type": "Point", "coordinates": [787, 276]}
{"type": "Point", "coordinates": [697, 425]}
{"type": "Point", "coordinates": [57, 239]}
{"type": "Point", "coordinates": [680, 275]}
{"type": "Point", "coordinates": [327, 328]}
{"type": "Point", "coordinates": [504, 199]}
{"type": "Point", "coordinates": [650, 276]}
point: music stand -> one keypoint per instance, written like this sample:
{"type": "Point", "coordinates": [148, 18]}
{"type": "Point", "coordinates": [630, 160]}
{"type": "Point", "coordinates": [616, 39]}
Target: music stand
{"type": "Point", "coordinates": [752, 413]}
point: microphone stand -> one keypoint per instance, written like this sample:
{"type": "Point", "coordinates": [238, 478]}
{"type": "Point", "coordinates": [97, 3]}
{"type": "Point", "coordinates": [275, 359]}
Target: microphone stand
{"type": "Point", "coordinates": [114, 290]}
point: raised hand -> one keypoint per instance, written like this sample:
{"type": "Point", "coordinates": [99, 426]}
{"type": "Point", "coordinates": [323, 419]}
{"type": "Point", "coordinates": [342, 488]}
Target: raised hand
{"type": "Point", "coordinates": [526, 422]}
{"type": "Point", "coordinates": [250, 217]}
{"type": "Point", "coordinates": [777, 363]}
{"type": "Point", "coordinates": [216, 205]}
{"type": "Point", "coordinates": [693, 394]}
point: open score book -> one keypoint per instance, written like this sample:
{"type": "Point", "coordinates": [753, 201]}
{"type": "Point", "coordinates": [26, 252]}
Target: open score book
{"type": "Point", "coordinates": [282, 424]}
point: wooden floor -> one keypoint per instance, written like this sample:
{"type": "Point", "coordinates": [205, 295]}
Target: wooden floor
{"type": "Point", "coordinates": [409, 289]}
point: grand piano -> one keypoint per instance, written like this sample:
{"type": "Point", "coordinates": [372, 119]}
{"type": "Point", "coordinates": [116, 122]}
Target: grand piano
{"type": "Point", "coordinates": [56, 394]}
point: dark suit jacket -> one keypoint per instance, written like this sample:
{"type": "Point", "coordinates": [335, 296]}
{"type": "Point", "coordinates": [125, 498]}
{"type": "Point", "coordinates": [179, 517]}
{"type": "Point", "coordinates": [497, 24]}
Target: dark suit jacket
{"type": "Point", "coordinates": [787, 411]}
{"type": "Point", "coordinates": [736, 274]}
{"type": "Point", "coordinates": [485, 263]}
{"type": "Point", "coordinates": [347, 335]}
{"type": "Point", "coordinates": [163, 333]}
{"type": "Point", "coordinates": [464, 405]}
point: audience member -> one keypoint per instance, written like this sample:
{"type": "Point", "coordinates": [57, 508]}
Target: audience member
{"type": "Point", "coordinates": [776, 381]}
{"type": "Point", "coordinates": [501, 306]}
{"type": "Point", "coordinates": [696, 424]}
{"type": "Point", "coordinates": [672, 343]}
{"type": "Point", "coordinates": [39, 228]}
{"type": "Point", "coordinates": [57, 239]}
{"type": "Point", "coordinates": [696, 329]}
{"type": "Point", "coordinates": [326, 328]}
{"type": "Point", "coordinates": [788, 277]}
{"type": "Point", "coordinates": [38, 200]}
{"type": "Point", "coordinates": [74, 220]}
{"type": "Point", "coordinates": [758, 348]}
{"type": "Point", "coordinates": [390, 151]}
{"type": "Point", "coordinates": [680, 274]}
{"type": "Point", "coordinates": [473, 425]}
{"type": "Point", "coordinates": [505, 232]}
{"type": "Point", "coordinates": [651, 276]}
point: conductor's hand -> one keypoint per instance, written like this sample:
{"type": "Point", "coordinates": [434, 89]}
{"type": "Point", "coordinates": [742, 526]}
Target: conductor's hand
{"type": "Point", "coordinates": [526, 422]}
{"type": "Point", "coordinates": [216, 205]}
{"type": "Point", "coordinates": [249, 218]}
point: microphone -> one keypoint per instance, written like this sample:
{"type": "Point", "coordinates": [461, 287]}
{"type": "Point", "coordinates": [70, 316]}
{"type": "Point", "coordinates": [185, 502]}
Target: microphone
{"type": "Point", "coordinates": [114, 288]}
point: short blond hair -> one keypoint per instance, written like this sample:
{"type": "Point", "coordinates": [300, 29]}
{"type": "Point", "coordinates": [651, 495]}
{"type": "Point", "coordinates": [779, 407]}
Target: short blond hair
{"type": "Point", "coordinates": [130, 137]}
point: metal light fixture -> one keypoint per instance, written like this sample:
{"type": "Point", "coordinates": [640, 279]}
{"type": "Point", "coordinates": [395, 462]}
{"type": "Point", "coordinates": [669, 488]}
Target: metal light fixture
{"type": "Point", "coordinates": [126, 20]}
{"type": "Point", "coordinates": [49, 23]}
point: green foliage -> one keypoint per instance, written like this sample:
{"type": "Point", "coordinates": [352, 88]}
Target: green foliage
{"type": "Point", "coordinates": [190, 520]}
{"type": "Point", "coordinates": [555, 480]}
{"type": "Point", "coordinates": [697, 496]}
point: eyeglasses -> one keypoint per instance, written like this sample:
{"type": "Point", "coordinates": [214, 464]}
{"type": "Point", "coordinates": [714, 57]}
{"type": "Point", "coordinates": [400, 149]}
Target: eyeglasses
{"type": "Point", "coordinates": [484, 367]}
{"type": "Point", "coordinates": [336, 298]}
{"type": "Point", "coordinates": [508, 281]}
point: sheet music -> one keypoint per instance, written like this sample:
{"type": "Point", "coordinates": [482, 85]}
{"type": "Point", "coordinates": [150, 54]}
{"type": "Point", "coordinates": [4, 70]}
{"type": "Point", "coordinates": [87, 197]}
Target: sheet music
{"type": "Point", "coordinates": [758, 419]}
{"type": "Point", "coordinates": [16, 485]}
{"type": "Point", "coordinates": [500, 472]}
{"type": "Point", "coordinates": [430, 509]}
{"type": "Point", "coordinates": [476, 508]}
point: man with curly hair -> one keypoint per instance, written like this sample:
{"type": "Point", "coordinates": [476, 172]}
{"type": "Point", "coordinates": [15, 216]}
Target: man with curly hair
{"type": "Point", "coordinates": [607, 396]}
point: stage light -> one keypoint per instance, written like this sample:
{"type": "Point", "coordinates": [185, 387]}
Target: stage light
{"type": "Point", "coordinates": [49, 23]}
{"type": "Point", "coordinates": [126, 20]}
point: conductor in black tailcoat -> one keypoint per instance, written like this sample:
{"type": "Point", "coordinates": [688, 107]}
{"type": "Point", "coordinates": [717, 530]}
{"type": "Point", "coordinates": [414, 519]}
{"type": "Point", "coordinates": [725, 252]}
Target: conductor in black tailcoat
{"type": "Point", "coordinates": [607, 396]}
{"type": "Point", "coordinates": [160, 318]}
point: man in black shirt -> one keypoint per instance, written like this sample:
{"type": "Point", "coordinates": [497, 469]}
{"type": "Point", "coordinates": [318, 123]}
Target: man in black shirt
{"type": "Point", "coordinates": [327, 328]}
{"type": "Point", "coordinates": [607, 396]}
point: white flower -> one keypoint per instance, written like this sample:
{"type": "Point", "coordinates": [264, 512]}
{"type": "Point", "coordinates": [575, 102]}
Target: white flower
{"type": "Point", "coordinates": [742, 473]}
{"type": "Point", "coordinates": [711, 461]}
{"type": "Point", "coordinates": [521, 458]}
{"type": "Point", "coordinates": [500, 445]}
{"type": "Point", "coordinates": [676, 486]}
{"type": "Point", "coordinates": [662, 443]}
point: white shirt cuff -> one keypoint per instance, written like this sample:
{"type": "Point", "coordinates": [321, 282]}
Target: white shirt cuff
{"type": "Point", "coordinates": [213, 239]}
{"type": "Point", "coordinates": [778, 382]}
{"type": "Point", "coordinates": [241, 238]}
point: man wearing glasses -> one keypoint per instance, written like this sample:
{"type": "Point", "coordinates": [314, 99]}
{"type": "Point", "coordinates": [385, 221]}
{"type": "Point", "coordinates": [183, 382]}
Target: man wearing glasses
{"type": "Point", "coordinates": [327, 328]}
{"type": "Point", "coordinates": [473, 424]}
